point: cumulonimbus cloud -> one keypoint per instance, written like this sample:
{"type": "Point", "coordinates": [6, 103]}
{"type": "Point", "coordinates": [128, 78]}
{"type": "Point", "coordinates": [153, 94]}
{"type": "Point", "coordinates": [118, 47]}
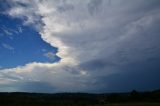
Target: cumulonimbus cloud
{"type": "Point", "coordinates": [95, 38]}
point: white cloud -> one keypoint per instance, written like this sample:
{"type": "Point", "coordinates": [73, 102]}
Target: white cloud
{"type": "Point", "coordinates": [7, 46]}
{"type": "Point", "coordinates": [7, 32]}
{"type": "Point", "coordinates": [93, 39]}
{"type": "Point", "coordinates": [61, 76]}
{"type": "Point", "coordinates": [20, 30]}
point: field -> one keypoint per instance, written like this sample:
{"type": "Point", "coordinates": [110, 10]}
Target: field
{"type": "Point", "coordinates": [132, 104]}
{"type": "Point", "coordinates": [133, 98]}
{"type": "Point", "coordinates": [117, 104]}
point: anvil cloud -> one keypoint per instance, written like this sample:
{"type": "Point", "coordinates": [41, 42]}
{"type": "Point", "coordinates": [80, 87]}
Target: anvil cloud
{"type": "Point", "coordinates": [104, 45]}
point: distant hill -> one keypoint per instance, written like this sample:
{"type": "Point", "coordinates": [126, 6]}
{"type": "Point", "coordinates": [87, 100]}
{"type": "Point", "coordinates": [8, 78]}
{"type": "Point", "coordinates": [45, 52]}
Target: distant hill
{"type": "Point", "coordinates": [77, 99]}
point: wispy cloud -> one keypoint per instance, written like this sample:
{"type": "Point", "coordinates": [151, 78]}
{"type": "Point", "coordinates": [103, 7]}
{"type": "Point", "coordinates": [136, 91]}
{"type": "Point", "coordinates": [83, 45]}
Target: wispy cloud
{"type": "Point", "coordinates": [20, 30]}
{"type": "Point", "coordinates": [50, 55]}
{"type": "Point", "coordinates": [7, 32]}
{"type": "Point", "coordinates": [11, 32]}
{"type": "Point", "coordinates": [7, 46]}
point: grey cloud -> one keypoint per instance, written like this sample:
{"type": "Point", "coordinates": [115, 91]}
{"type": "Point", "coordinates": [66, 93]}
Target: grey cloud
{"type": "Point", "coordinates": [65, 7]}
{"type": "Point", "coordinates": [140, 76]}
{"type": "Point", "coordinates": [35, 87]}
{"type": "Point", "coordinates": [94, 6]}
{"type": "Point", "coordinates": [38, 87]}
{"type": "Point", "coordinates": [50, 55]}
{"type": "Point", "coordinates": [118, 45]}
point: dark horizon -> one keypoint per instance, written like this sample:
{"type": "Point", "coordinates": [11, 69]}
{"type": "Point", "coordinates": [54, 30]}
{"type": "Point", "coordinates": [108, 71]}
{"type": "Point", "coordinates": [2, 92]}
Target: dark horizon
{"type": "Point", "coordinates": [78, 99]}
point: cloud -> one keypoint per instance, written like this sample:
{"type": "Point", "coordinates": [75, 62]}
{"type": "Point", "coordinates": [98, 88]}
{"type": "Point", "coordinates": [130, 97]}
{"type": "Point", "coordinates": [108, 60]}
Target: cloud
{"type": "Point", "coordinates": [7, 32]}
{"type": "Point", "coordinates": [94, 5]}
{"type": "Point", "coordinates": [50, 55]}
{"type": "Point", "coordinates": [59, 76]}
{"type": "Point", "coordinates": [94, 40]}
{"type": "Point", "coordinates": [7, 46]}
{"type": "Point", "coordinates": [20, 30]}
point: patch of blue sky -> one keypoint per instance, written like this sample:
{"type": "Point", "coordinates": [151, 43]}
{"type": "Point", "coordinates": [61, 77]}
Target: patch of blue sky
{"type": "Point", "coordinates": [21, 44]}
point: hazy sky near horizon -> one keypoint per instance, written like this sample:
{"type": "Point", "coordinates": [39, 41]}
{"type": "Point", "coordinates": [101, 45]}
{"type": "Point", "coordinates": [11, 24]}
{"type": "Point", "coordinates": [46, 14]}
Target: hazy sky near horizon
{"type": "Point", "coordinates": [79, 45]}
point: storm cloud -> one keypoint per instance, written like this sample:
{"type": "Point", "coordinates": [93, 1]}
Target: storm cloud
{"type": "Point", "coordinates": [104, 45]}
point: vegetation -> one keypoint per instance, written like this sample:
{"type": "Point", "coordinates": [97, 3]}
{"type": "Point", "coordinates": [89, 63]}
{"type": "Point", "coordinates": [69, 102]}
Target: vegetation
{"type": "Point", "coordinates": [81, 99]}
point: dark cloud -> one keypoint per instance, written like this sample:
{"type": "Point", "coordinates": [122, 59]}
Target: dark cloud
{"type": "Point", "coordinates": [94, 6]}
{"type": "Point", "coordinates": [139, 76]}
{"type": "Point", "coordinates": [97, 65]}
{"type": "Point", "coordinates": [4, 5]}
{"type": "Point", "coordinates": [35, 87]}
{"type": "Point", "coordinates": [65, 7]}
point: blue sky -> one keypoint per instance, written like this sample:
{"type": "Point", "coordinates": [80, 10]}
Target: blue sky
{"type": "Point", "coordinates": [22, 44]}
{"type": "Point", "coordinates": [79, 45]}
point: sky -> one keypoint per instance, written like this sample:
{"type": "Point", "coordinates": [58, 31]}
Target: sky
{"type": "Point", "coordinates": [93, 46]}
